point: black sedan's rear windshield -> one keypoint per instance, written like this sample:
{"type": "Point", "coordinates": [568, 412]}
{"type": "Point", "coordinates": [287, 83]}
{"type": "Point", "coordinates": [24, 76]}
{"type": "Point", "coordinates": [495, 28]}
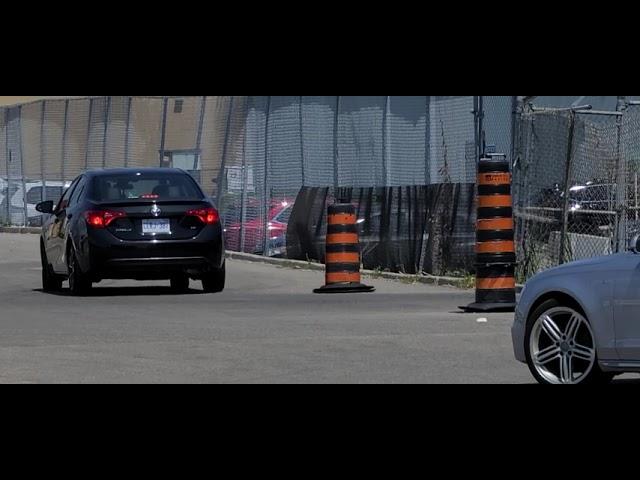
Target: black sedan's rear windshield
{"type": "Point", "coordinates": [145, 186]}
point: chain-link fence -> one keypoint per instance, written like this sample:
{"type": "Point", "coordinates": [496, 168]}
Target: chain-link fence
{"type": "Point", "coordinates": [339, 143]}
{"type": "Point", "coordinates": [408, 162]}
{"type": "Point", "coordinates": [576, 184]}
{"type": "Point", "coordinates": [254, 154]}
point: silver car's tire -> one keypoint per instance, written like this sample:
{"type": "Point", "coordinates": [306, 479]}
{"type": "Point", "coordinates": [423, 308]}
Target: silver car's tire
{"type": "Point", "coordinates": [561, 346]}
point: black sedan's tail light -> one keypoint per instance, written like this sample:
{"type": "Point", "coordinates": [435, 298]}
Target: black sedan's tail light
{"type": "Point", "coordinates": [208, 216]}
{"type": "Point", "coordinates": [99, 219]}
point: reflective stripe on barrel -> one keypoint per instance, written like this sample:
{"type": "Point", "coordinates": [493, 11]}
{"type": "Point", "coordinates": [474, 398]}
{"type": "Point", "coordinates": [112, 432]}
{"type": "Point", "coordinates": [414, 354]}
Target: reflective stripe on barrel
{"type": "Point", "coordinates": [494, 179]}
{"type": "Point", "coordinates": [495, 224]}
{"type": "Point", "coordinates": [347, 238]}
{"type": "Point", "coordinates": [493, 201]}
{"type": "Point", "coordinates": [496, 247]}
{"type": "Point", "coordinates": [333, 278]}
{"type": "Point", "coordinates": [342, 258]}
{"type": "Point", "coordinates": [342, 219]}
{"type": "Point", "coordinates": [495, 283]}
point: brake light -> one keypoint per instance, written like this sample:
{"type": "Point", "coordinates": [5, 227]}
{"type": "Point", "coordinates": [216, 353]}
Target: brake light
{"type": "Point", "coordinates": [208, 216]}
{"type": "Point", "coordinates": [102, 218]}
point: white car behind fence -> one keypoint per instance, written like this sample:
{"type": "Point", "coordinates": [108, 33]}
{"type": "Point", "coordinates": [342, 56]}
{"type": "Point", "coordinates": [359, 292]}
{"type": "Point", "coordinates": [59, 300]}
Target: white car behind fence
{"type": "Point", "coordinates": [18, 201]}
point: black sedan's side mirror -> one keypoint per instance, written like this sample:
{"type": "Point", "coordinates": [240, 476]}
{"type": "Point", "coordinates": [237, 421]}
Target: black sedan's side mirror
{"type": "Point", "coordinates": [635, 245]}
{"type": "Point", "coordinates": [45, 207]}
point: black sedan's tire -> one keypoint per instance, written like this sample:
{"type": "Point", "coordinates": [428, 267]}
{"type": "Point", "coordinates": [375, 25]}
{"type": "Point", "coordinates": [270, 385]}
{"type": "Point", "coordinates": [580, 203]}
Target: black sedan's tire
{"type": "Point", "coordinates": [50, 281]}
{"type": "Point", "coordinates": [214, 282]}
{"type": "Point", "coordinates": [180, 283]}
{"type": "Point", "coordinates": [79, 283]}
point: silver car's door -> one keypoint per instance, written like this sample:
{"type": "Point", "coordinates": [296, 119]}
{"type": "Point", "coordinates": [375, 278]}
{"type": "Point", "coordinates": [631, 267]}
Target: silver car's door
{"type": "Point", "coordinates": [627, 310]}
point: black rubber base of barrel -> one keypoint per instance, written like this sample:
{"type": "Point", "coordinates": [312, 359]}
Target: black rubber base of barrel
{"type": "Point", "coordinates": [490, 308]}
{"type": "Point", "coordinates": [345, 288]}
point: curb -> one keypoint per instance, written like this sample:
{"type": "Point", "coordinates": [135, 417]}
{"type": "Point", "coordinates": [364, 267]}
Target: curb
{"type": "Point", "coordinates": [23, 230]}
{"type": "Point", "coordinates": [301, 265]}
{"type": "Point", "coordinates": [280, 262]}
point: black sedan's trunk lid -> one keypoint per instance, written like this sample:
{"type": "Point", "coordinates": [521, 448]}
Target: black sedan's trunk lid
{"type": "Point", "coordinates": [156, 220]}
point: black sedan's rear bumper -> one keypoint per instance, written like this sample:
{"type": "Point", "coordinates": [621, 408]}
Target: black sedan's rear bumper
{"type": "Point", "coordinates": [107, 257]}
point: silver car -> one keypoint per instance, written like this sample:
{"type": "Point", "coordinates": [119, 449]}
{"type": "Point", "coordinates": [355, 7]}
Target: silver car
{"type": "Point", "coordinates": [580, 323]}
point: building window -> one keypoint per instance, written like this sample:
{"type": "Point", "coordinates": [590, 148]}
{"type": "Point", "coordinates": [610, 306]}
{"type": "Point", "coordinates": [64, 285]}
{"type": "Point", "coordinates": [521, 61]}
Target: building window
{"type": "Point", "coordinates": [177, 106]}
{"type": "Point", "coordinates": [186, 160]}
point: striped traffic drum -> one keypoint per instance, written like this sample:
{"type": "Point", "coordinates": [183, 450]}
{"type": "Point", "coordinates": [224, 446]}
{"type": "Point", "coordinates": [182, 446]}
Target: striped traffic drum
{"type": "Point", "coordinates": [342, 259]}
{"type": "Point", "coordinates": [495, 247]}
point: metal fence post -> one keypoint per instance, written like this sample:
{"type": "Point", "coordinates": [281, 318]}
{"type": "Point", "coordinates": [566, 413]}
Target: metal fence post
{"type": "Point", "coordinates": [567, 189]}
{"type": "Point", "coordinates": [63, 152]}
{"type": "Point", "coordinates": [86, 153]}
{"type": "Point", "coordinates": [336, 152]}
{"type": "Point", "coordinates": [223, 161]}
{"type": "Point", "coordinates": [386, 143]}
{"type": "Point", "coordinates": [43, 168]}
{"type": "Point", "coordinates": [126, 133]}
{"type": "Point", "coordinates": [519, 171]}
{"type": "Point", "coordinates": [481, 132]}
{"type": "Point", "coordinates": [427, 142]}
{"type": "Point", "coordinates": [302, 157]}
{"type": "Point", "coordinates": [621, 181]}
{"type": "Point", "coordinates": [25, 220]}
{"type": "Point", "coordinates": [203, 108]}
{"type": "Point", "coordinates": [517, 109]}
{"type": "Point", "coordinates": [267, 191]}
{"type": "Point", "coordinates": [478, 127]}
{"type": "Point", "coordinates": [163, 137]}
{"type": "Point", "coordinates": [243, 193]}
{"type": "Point", "coordinates": [107, 115]}
{"type": "Point", "coordinates": [7, 163]}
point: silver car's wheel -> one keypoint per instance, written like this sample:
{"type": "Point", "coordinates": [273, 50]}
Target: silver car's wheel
{"type": "Point", "coordinates": [562, 347]}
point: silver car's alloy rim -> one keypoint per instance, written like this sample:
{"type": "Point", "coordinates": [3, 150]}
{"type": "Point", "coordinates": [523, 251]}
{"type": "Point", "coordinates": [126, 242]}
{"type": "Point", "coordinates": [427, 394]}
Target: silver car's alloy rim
{"type": "Point", "coordinates": [562, 346]}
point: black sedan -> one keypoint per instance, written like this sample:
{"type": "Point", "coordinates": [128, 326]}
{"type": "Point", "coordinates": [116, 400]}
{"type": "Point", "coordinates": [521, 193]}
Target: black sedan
{"type": "Point", "coordinates": [141, 224]}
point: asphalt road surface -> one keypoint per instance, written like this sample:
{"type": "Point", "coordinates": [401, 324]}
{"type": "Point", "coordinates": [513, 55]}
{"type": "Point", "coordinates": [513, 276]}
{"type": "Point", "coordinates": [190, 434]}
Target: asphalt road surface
{"type": "Point", "coordinates": [267, 327]}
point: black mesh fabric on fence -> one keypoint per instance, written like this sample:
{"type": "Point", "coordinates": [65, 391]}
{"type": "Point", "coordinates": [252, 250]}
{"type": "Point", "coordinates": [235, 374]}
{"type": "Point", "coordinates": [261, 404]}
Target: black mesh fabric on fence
{"type": "Point", "coordinates": [402, 229]}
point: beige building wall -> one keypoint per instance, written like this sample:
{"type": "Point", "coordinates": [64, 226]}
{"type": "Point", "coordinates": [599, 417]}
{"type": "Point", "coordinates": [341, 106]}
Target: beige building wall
{"type": "Point", "coordinates": [50, 153]}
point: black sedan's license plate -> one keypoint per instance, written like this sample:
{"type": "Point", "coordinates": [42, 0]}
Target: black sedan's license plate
{"type": "Point", "coordinates": [156, 227]}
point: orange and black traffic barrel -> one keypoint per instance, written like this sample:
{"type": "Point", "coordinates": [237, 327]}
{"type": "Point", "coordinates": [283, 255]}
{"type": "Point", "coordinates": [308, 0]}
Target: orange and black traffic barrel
{"type": "Point", "coordinates": [342, 259]}
{"type": "Point", "coordinates": [495, 247]}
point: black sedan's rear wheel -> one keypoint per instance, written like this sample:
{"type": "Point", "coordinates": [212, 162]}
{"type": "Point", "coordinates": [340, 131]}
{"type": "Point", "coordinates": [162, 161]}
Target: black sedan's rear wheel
{"type": "Point", "coordinates": [214, 282]}
{"type": "Point", "coordinates": [79, 283]}
{"type": "Point", "coordinates": [50, 281]}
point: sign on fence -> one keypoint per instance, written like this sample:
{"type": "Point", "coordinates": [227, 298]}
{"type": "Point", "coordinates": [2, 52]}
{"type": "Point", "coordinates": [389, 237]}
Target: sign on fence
{"type": "Point", "coordinates": [235, 179]}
